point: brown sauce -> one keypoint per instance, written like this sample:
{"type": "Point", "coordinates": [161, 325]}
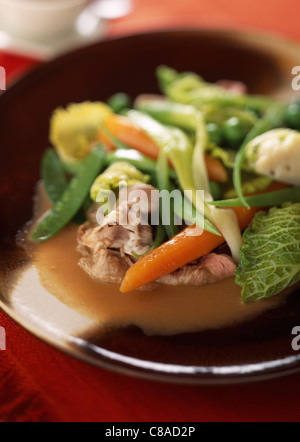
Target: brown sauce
{"type": "Point", "coordinates": [166, 310]}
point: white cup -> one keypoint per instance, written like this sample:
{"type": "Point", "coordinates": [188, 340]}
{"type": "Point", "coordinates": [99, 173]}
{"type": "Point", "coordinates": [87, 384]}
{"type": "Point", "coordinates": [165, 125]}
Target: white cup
{"type": "Point", "coordinates": [39, 19]}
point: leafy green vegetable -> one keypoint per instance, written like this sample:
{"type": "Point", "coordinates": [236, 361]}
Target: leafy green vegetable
{"type": "Point", "coordinates": [226, 156]}
{"type": "Point", "coordinates": [118, 174]}
{"type": "Point", "coordinates": [270, 258]}
{"type": "Point", "coordinates": [250, 186]}
{"type": "Point", "coordinates": [189, 88]}
{"type": "Point", "coordinates": [73, 130]}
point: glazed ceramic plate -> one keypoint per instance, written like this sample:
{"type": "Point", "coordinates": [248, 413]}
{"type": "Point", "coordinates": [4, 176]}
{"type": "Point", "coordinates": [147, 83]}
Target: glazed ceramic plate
{"type": "Point", "coordinates": [256, 350]}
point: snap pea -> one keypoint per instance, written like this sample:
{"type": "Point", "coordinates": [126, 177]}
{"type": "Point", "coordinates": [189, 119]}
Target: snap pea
{"type": "Point", "coordinates": [73, 197]}
{"type": "Point", "coordinates": [138, 160]}
{"type": "Point", "coordinates": [53, 175]}
{"type": "Point", "coordinates": [276, 198]}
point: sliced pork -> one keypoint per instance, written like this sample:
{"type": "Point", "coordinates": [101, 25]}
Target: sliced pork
{"type": "Point", "coordinates": [208, 270]}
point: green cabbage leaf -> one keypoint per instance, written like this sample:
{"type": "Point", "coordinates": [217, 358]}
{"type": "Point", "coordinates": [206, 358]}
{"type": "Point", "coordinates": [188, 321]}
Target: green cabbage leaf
{"type": "Point", "coordinates": [270, 257]}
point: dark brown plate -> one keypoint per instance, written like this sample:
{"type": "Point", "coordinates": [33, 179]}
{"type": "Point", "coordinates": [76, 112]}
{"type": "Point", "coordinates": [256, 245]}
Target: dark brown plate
{"type": "Point", "coordinates": [257, 350]}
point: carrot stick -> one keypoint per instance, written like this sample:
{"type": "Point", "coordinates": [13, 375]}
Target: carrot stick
{"type": "Point", "coordinates": [125, 131]}
{"type": "Point", "coordinates": [181, 250]}
{"type": "Point", "coordinates": [215, 169]}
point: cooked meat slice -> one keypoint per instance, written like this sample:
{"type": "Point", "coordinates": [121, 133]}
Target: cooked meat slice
{"type": "Point", "coordinates": [111, 235]}
{"type": "Point", "coordinates": [104, 266]}
{"type": "Point", "coordinates": [91, 213]}
{"type": "Point", "coordinates": [208, 270]}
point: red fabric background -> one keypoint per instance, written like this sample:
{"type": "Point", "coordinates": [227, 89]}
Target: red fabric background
{"type": "Point", "coordinates": [40, 384]}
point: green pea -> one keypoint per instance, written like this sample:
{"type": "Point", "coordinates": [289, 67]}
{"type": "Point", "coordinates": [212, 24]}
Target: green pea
{"type": "Point", "coordinates": [234, 131]}
{"type": "Point", "coordinates": [119, 102]}
{"type": "Point", "coordinates": [292, 116]}
{"type": "Point", "coordinates": [214, 133]}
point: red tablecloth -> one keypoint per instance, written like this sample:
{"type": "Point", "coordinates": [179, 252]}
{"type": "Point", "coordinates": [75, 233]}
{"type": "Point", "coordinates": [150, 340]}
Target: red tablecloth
{"type": "Point", "coordinates": [39, 384]}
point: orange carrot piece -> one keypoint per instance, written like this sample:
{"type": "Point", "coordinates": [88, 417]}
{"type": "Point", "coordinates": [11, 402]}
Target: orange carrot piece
{"type": "Point", "coordinates": [182, 249]}
{"type": "Point", "coordinates": [103, 138]}
{"type": "Point", "coordinates": [131, 135]}
{"type": "Point", "coordinates": [177, 252]}
{"type": "Point", "coordinates": [215, 169]}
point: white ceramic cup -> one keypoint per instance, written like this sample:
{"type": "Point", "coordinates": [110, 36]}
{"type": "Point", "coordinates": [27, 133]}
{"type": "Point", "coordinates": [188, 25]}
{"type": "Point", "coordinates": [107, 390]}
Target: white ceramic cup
{"type": "Point", "coordinates": [39, 19]}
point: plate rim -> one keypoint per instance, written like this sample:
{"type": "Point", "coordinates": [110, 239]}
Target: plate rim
{"type": "Point", "coordinates": [210, 375]}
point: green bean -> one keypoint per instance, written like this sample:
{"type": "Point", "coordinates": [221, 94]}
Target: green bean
{"type": "Point", "coordinates": [160, 236]}
{"type": "Point", "coordinates": [53, 175]}
{"type": "Point", "coordinates": [277, 198]}
{"type": "Point", "coordinates": [73, 198]}
{"type": "Point", "coordinates": [273, 118]}
{"type": "Point", "coordinates": [163, 183]}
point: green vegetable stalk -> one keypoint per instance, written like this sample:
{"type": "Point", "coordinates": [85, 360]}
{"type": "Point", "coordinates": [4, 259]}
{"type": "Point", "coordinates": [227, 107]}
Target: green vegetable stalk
{"type": "Point", "coordinates": [187, 118]}
{"type": "Point", "coordinates": [273, 118]}
{"type": "Point", "coordinates": [177, 145]}
{"type": "Point", "coordinates": [277, 198]}
{"type": "Point", "coordinates": [189, 88]}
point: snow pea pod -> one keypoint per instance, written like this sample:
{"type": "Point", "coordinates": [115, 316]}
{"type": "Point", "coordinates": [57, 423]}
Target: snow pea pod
{"type": "Point", "coordinates": [73, 197]}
